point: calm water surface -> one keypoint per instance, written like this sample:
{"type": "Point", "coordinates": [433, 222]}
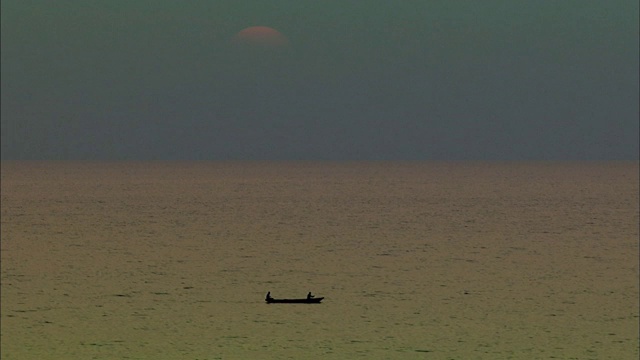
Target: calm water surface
{"type": "Point", "coordinates": [416, 260]}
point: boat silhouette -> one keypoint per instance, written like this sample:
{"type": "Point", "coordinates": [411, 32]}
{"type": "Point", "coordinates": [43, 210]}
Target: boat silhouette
{"type": "Point", "coordinates": [310, 299]}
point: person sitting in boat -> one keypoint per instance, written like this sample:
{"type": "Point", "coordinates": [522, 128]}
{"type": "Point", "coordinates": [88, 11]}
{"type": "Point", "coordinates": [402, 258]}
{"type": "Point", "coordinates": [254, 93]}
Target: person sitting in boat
{"type": "Point", "coordinates": [309, 296]}
{"type": "Point", "coordinates": [268, 296]}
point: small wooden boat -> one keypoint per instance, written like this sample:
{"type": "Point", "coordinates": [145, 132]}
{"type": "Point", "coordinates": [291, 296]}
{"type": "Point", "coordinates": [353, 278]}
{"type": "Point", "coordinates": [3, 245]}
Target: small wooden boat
{"type": "Point", "coordinates": [294, 301]}
{"type": "Point", "coordinates": [310, 299]}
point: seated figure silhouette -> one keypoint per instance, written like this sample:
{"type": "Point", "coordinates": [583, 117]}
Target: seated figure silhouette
{"type": "Point", "coordinates": [309, 296]}
{"type": "Point", "coordinates": [268, 296]}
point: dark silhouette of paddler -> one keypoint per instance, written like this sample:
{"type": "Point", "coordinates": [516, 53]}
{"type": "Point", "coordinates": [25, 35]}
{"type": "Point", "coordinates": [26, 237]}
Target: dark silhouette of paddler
{"type": "Point", "coordinates": [309, 296]}
{"type": "Point", "coordinates": [268, 296]}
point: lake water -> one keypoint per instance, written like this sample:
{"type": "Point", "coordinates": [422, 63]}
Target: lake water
{"type": "Point", "coordinates": [415, 260]}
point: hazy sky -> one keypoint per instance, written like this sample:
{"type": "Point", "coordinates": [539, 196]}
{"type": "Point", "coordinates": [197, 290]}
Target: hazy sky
{"type": "Point", "coordinates": [363, 80]}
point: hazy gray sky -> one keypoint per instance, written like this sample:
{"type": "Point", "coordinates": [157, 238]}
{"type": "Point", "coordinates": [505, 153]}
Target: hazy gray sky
{"type": "Point", "coordinates": [363, 80]}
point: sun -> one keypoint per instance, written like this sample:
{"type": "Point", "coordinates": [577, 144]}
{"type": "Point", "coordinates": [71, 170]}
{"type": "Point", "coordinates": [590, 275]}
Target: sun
{"type": "Point", "coordinates": [260, 37]}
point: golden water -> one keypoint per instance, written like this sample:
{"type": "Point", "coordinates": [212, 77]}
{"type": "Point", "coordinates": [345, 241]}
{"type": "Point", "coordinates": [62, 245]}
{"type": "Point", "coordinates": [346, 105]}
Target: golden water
{"type": "Point", "coordinates": [415, 260]}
